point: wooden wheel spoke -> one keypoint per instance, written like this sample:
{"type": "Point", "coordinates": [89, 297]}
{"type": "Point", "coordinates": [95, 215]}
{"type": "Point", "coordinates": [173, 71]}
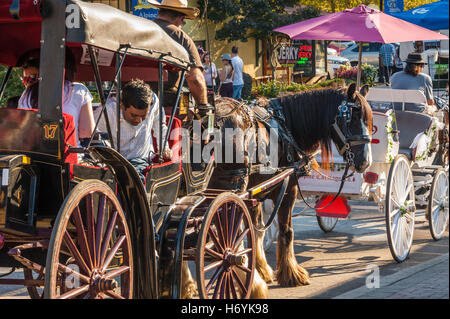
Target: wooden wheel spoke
{"type": "Point", "coordinates": [212, 265]}
{"type": "Point", "coordinates": [239, 281]}
{"type": "Point", "coordinates": [70, 271]}
{"type": "Point", "coordinates": [214, 278]}
{"type": "Point", "coordinates": [247, 270]}
{"type": "Point", "coordinates": [214, 238]}
{"type": "Point", "coordinates": [213, 253]}
{"type": "Point", "coordinates": [219, 285]}
{"type": "Point", "coordinates": [226, 238]}
{"type": "Point", "coordinates": [75, 252]}
{"type": "Point", "coordinates": [74, 292]}
{"type": "Point", "coordinates": [240, 239]}
{"type": "Point", "coordinates": [78, 222]}
{"type": "Point", "coordinates": [237, 225]}
{"type": "Point", "coordinates": [220, 232]}
{"type": "Point", "coordinates": [243, 252]}
{"type": "Point", "coordinates": [113, 252]}
{"type": "Point", "coordinates": [232, 287]}
{"type": "Point", "coordinates": [90, 225]}
{"type": "Point", "coordinates": [112, 294]}
{"type": "Point", "coordinates": [107, 238]}
{"type": "Point", "coordinates": [99, 228]}
{"type": "Point", "coordinates": [227, 286]}
{"type": "Point", "coordinates": [230, 227]}
{"type": "Point", "coordinates": [116, 272]}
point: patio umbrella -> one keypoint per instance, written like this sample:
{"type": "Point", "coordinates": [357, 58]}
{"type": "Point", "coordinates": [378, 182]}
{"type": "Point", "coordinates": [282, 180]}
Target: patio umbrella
{"type": "Point", "coordinates": [433, 16]}
{"type": "Point", "coordinates": [360, 24]}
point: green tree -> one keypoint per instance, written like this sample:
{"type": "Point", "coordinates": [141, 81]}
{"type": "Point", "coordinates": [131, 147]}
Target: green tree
{"type": "Point", "coordinates": [339, 5]}
{"type": "Point", "coordinates": [14, 85]}
{"type": "Point", "coordinates": [239, 20]}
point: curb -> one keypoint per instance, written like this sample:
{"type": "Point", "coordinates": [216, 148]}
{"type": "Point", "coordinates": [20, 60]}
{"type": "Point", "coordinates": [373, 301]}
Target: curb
{"type": "Point", "coordinates": [394, 278]}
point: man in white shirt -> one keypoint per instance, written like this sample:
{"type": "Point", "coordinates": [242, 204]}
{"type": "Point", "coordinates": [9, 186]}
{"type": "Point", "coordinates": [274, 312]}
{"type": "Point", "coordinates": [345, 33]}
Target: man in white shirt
{"type": "Point", "coordinates": [238, 81]}
{"type": "Point", "coordinates": [139, 116]}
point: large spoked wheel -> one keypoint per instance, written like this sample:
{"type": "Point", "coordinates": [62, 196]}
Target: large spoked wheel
{"type": "Point", "coordinates": [327, 224]}
{"type": "Point", "coordinates": [225, 250]}
{"type": "Point", "coordinates": [400, 208]}
{"type": "Point", "coordinates": [437, 210]}
{"type": "Point", "coordinates": [90, 254]}
{"type": "Point", "coordinates": [271, 233]}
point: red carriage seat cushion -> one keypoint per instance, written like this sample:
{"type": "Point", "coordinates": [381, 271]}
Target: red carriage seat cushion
{"type": "Point", "coordinates": [174, 143]}
{"type": "Point", "coordinates": [70, 139]}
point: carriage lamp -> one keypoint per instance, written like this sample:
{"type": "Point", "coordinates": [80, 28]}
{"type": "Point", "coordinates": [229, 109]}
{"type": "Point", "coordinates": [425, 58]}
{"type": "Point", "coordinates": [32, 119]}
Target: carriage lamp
{"type": "Point", "coordinates": [371, 178]}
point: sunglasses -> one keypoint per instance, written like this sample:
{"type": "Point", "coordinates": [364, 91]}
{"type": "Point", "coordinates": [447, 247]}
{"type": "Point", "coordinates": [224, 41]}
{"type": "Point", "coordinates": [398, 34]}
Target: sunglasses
{"type": "Point", "coordinates": [30, 79]}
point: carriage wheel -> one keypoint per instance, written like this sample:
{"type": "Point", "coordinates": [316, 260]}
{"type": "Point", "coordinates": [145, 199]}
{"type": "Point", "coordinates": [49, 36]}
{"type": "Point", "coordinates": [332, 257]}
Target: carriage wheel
{"type": "Point", "coordinates": [327, 224]}
{"type": "Point", "coordinates": [437, 209]}
{"type": "Point", "coordinates": [271, 233]}
{"type": "Point", "coordinates": [225, 250]}
{"type": "Point", "coordinates": [90, 254]}
{"type": "Point", "coordinates": [35, 292]}
{"type": "Point", "coordinates": [400, 208]}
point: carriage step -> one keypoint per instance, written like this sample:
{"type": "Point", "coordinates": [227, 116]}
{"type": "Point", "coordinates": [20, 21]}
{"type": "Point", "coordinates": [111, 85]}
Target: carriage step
{"type": "Point", "coordinates": [426, 170]}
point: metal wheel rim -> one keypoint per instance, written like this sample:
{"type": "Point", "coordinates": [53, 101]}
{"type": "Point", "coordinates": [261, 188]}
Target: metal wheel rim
{"type": "Point", "coordinates": [438, 204]}
{"type": "Point", "coordinates": [225, 282]}
{"type": "Point", "coordinates": [89, 272]}
{"type": "Point", "coordinates": [400, 223]}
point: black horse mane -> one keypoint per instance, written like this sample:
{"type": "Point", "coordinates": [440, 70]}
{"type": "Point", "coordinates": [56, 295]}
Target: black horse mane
{"type": "Point", "coordinates": [309, 116]}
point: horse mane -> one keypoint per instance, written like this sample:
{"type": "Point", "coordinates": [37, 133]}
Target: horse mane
{"type": "Point", "coordinates": [309, 116]}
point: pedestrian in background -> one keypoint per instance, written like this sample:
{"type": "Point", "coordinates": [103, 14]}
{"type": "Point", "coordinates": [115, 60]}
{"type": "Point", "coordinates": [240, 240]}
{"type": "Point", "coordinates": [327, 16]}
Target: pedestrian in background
{"type": "Point", "coordinates": [209, 71]}
{"type": "Point", "coordinates": [387, 53]}
{"type": "Point", "coordinates": [226, 77]}
{"type": "Point", "coordinates": [238, 65]}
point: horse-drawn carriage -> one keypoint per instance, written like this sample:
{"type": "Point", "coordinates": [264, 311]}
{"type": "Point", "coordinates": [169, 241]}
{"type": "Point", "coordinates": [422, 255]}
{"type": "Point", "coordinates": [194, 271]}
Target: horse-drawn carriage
{"type": "Point", "coordinates": [96, 230]}
{"type": "Point", "coordinates": [409, 170]}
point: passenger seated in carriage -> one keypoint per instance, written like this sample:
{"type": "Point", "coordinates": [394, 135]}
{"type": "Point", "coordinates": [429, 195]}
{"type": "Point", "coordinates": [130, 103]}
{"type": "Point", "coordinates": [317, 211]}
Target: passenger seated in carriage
{"type": "Point", "coordinates": [77, 100]}
{"type": "Point", "coordinates": [412, 78]}
{"type": "Point", "coordinates": [139, 117]}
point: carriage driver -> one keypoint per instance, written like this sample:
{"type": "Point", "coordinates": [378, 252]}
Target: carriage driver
{"type": "Point", "coordinates": [139, 117]}
{"type": "Point", "coordinates": [171, 16]}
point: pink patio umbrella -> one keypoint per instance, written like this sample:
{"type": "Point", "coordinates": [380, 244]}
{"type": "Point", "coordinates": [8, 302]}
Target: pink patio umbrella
{"type": "Point", "coordinates": [360, 24]}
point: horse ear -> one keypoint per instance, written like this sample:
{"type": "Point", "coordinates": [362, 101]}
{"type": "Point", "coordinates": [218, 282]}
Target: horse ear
{"type": "Point", "coordinates": [364, 90]}
{"type": "Point", "coordinates": [351, 92]}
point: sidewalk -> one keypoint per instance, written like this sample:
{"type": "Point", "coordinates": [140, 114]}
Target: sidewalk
{"type": "Point", "coordinates": [429, 280]}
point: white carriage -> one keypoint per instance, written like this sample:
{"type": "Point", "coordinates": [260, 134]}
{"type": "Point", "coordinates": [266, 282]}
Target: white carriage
{"type": "Point", "coordinates": [405, 174]}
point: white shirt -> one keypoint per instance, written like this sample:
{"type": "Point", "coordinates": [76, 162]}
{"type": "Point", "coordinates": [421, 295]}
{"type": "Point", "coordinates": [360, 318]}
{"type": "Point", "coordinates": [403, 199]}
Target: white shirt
{"type": "Point", "coordinates": [210, 75]}
{"type": "Point", "coordinates": [75, 96]}
{"type": "Point", "coordinates": [135, 141]}
{"type": "Point", "coordinates": [238, 66]}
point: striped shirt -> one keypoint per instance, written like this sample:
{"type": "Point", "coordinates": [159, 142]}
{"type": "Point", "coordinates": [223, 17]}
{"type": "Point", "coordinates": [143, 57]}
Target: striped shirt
{"type": "Point", "coordinates": [387, 52]}
{"type": "Point", "coordinates": [135, 141]}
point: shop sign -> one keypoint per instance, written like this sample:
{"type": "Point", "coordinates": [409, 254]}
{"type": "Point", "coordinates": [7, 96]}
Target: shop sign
{"type": "Point", "coordinates": [292, 55]}
{"type": "Point", "coordinates": [142, 8]}
{"type": "Point", "coordinates": [393, 6]}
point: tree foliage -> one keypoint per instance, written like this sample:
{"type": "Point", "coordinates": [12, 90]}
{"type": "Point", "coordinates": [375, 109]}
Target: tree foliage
{"type": "Point", "coordinates": [339, 5]}
{"type": "Point", "coordinates": [239, 20]}
{"type": "Point", "coordinates": [14, 86]}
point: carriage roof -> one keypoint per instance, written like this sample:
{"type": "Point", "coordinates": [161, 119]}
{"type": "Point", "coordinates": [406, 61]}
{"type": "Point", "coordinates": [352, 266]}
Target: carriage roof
{"type": "Point", "coordinates": [99, 25]}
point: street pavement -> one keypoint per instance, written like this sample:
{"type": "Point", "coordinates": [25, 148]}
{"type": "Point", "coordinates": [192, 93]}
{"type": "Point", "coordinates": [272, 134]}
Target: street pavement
{"type": "Point", "coordinates": [340, 263]}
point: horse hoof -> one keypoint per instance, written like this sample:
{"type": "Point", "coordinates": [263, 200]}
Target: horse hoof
{"type": "Point", "coordinates": [189, 291]}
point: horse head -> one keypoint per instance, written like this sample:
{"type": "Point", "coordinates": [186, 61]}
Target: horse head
{"type": "Point", "coordinates": [352, 129]}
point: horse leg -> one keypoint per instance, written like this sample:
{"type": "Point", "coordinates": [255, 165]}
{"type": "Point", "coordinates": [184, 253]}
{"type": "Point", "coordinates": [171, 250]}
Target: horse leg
{"type": "Point", "coordinates": [188, 285]}
{"type": "Point", "coordinates": [289, 272]}
{"type": "Point", "coordinates": [262, 267]}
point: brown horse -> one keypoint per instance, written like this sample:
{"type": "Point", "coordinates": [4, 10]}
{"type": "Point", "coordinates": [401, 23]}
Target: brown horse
{"type": "Point", "coordinates": [309, 119]}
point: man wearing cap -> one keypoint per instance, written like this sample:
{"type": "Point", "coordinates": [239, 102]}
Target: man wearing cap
{"type": "Point", "coordinates": [412, 78]}
{"type": "Point", "coordinates": [171, 16]}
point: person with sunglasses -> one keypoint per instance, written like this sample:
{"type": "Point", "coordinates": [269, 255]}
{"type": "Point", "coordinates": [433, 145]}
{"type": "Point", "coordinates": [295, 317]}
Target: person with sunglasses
{"type": "Point", "coordinates": [77, 100]}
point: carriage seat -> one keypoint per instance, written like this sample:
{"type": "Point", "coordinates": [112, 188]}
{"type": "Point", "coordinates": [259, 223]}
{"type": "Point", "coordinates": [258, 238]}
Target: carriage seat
{"type": "Point", "coordinates": [410, 125]}
{"type": "Point", "coordinates": [172, 142]}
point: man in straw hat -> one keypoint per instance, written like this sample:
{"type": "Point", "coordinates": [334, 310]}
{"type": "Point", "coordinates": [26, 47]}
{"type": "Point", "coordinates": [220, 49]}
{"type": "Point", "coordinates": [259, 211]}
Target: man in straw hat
{"type": "Point", "coordinates": [412, 78]}
{"type": "Point", "coordinates": [171, 16]}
